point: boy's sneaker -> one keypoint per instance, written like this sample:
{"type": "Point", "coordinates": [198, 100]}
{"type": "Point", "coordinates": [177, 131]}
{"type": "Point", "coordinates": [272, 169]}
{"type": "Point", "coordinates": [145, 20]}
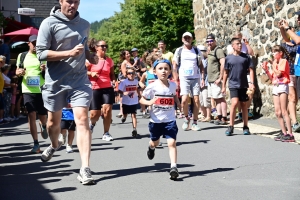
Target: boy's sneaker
{"type": "Point", "coordinates": [119, 115]}
{"type": "Point", "coordinates": [62, 138]}
{"type": "Point", "coordinates": [288, 138]}
{"type": "Point", "coordinates": [48, 153]}
{"type": "Point", "coordinates": [107, 137]}
{"type": "Point", "coordinates": [91, 126]}
{"type": "Point", "coordinates": [36, 149]}
{"type": "Point", "coordinates": [246, 130]}
{"type": "Point", "coordinates": [150, 153]}
{"type": "Point", "coordinates": [134, 133]}
{"type": "Point", "coordinates": [44, 132]}
{"type": "Point", "coordinates": [279, 137]}
{"type": "Point", "coordinates": [85, 176]}
{"type": "Point", "coordinates": [229, 131]}
{"type": "Point", "coordinates": [174, 173]}
{"type": "Point", "coordinates": [186, 124]}
{"type": "Point", "coordinates": [195, 127]}
{"type": "Point", "coordinates": [69, 148]}
{"type": "Point", "coordinates": [123, 120]}
{"type": "Point", "coordinates": [296, 127]}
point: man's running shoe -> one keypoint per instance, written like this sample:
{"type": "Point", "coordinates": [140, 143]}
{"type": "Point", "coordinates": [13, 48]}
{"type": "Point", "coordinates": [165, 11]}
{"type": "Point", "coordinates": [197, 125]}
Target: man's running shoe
{"type": "Point", "coordinates": [91, 126]}
{"type": "Point", "coordinates": [229, 131]}
{"type": "Point", "coordinates": [44, 132]}
{"type": "Point", "coordinates": [36, 149]}
{"type": "Point", "coordinates": [62, 138]}
{"type": "Point", "coordinates": [119, 115]}
{"type": "Point", "coordinates": [296, 127]}
{"type": "Point", "coordinates": [279, 137]}
{"type": "Point", "coordinates": [107, 137]}
{"type": "Point", "coordinates": [288, 138]}
{"type": "Point", "coordinates": [150, 153]}
{"type": "Point", "coordinates": [134, 133]}
{"type": "Point", "coordinates": [186, 124]}
{"type": "Point", "coordinates": [85, 176]}
{"type": "Point", "coordinates": [196, 127]}
{"type": "Point", "coordinates": [246, 130]}
{"type": "Point", "coordinates": [145, 116]}
{"type": "Point", "coordinates": [123, 120]}
{"type": "Point", "coordinates": [48, 153]}
{"type": "Point", "coordinates": [174, 173]}
{"type": "Point", "coordinates": [69, 148]}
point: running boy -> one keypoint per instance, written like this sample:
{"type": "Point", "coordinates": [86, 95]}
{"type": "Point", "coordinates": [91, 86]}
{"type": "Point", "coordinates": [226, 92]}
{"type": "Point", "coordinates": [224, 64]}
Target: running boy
{"type": "Point", "coordinates": [162, 93]}
{"type": "Point", "coordinates": [236, 67]}
{"type": "Point", "coordinates": [67, 124]}
{"type": "Point", "coordinates": [128, 88]}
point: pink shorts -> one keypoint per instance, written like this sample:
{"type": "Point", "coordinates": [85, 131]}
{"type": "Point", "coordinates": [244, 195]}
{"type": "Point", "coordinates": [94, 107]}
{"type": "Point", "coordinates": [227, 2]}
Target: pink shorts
{"type": "Point", "coordinates": [13, 99]}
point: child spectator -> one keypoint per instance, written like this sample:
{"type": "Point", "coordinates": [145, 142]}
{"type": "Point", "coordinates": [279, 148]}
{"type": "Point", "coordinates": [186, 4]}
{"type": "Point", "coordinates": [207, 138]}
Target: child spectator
{"type": "Point", "coordinates": [162, 93]}
{"type": "Point", "coordinates": [14, 80]}
{"type": "Point", "coordinates": [129, 89]}
{"type": "Point", "coordinates": [280, 76]}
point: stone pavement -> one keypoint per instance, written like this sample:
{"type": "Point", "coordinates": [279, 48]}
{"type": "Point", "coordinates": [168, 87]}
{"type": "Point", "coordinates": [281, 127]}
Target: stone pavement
{"type": "Point", "coordinates": [211, 166]}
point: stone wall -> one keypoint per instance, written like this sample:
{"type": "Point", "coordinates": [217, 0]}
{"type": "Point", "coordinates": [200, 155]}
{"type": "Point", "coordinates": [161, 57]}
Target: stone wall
{"type": "Point", "coordinates": [258, 18]}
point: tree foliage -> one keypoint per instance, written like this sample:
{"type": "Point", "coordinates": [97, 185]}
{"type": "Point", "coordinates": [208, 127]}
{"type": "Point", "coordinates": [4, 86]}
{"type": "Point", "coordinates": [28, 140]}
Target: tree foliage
{"type": "Point", "coordinates": [142, 23]}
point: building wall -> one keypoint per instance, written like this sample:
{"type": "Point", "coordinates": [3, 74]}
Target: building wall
{"type": "Point", "coordinates": [256, 18]}
{"type": "Point", "coordinates": [42, 10]}
{"type": "Point", "coordinates": [9, 8]}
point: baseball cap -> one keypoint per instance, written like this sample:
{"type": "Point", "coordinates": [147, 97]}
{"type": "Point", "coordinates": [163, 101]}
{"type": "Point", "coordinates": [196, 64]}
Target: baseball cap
{"type": "Point", "coordinates": [187, 34]}
{"type": "Point", "coordinates": [32, 38]}
{"type": "Point", "coordinates": [202, 48]}
{"type": "Point", "coordinates": [297, 13]}
{"type": "Point", "coordinates": [211, 36]}
{"type": "Point", "coordinates": [134, 49]}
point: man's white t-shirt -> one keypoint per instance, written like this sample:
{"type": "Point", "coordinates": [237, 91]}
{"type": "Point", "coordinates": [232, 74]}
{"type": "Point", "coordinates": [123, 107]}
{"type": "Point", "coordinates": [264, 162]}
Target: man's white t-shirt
{"type": "Point", "coordinates": [163, 109]}
{"type": "Point", "coordinates": [130, 87]}
{"type": "Point", "coordinates": [188, 68]}
{"type": "Point", "coordinates": [230, 49]}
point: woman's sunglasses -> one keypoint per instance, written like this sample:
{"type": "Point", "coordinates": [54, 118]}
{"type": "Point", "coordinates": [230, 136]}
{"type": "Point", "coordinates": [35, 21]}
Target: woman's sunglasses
{"type": "Point", "coordinates": [102, 46]}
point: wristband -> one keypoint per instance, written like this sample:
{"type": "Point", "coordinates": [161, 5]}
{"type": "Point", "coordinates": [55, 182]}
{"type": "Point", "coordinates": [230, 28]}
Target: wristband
{"type": "Point", "coordinates": [289, 28]}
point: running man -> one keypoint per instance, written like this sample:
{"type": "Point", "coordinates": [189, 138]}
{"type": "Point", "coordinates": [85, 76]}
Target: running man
{"type": "Point", "coordinates": [61, 42]}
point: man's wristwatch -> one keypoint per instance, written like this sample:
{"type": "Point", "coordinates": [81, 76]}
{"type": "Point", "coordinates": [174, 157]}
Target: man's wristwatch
{"type": "Point", "coordinates": [288, 28]}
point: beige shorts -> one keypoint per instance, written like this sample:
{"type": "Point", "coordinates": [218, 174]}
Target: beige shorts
{"type": "Point", "coordinates": [292, 81]}
{"type": "Point", "coordinates": [215, 91]}
{"type": "Point", "coordinates": [204, 99]}
{"type": "Point", "coordinates": [282, 88]}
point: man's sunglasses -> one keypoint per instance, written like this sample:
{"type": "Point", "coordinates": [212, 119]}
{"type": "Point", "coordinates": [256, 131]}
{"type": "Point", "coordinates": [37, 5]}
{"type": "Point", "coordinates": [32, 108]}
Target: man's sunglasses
{"type": "Point", "coordinates": [102, 46]}
{"type": "Point", "coordinates": [130, 73]}
{"type": "Point", "coordinates": [209, 41]}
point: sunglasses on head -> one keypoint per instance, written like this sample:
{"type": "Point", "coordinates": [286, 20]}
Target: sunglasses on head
{"type": "Point", "coordinates": [102, 46]}
{"type": "Point", "coordinates": [209, 41]}
{"type": "Point", "coordinates": [130, 73]}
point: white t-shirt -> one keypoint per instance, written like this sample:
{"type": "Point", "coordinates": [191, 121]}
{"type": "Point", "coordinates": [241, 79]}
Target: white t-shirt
{"type": "Point", "coordinates": [230, 49]}
{"type": "Point", "coordinates": [188, 68]}
{"type": "Point", "coordinates": [131, 87]}
{"type": "Point", "coordinates": [163, 109]}
{"type": "Point", "coordinates": [6, 80]}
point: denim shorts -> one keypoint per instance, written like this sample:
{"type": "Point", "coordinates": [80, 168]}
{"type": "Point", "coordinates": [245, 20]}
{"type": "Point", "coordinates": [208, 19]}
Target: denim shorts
{"type": "Point", "coordinates": [168, 129]}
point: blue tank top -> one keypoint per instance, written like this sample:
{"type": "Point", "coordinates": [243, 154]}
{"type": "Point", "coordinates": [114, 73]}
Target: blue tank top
{"type": "Point", "coordinates": [150, 76]}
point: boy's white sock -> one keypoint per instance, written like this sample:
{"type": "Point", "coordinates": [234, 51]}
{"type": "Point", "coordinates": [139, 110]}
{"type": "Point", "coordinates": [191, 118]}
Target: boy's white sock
{"type": "Point", "coordinates": [173, 165]}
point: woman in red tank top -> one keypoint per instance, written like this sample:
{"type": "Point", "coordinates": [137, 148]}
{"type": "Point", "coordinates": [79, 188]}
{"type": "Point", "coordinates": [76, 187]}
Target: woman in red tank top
{"type": "Point", "coordinates": [101, 75]}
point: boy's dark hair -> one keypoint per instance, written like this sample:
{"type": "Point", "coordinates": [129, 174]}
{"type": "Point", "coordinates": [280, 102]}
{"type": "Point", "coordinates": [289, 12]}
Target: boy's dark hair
{"type": "Point", "coordinates": [235, 39]}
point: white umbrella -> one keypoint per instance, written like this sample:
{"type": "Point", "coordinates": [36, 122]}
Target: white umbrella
{"type": "Point", "coordinates": [14, 45]}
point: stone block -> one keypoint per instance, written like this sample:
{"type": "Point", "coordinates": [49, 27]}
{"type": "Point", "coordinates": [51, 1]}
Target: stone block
{"type": "Point", "coordinates": [291, 1]}
{"type": "Point", "coordinates": [265, 79]}
{"type": "Point", "coordinates": [254, 5]}
{"type": "Point", "coordinates": [276, 21]}
{"type": "Point", "coordinates": [197, 6]}
{"type": "Point", "coordinates": [200, 33]}
{"type": "Point", "coordinates": [269, 10]}
{"type": "Point", "coordinates": [246, 9]}
{"type": "Point", "coordinates": [268, 48]}
{"type": "Point", "coordinates": [273, 36]}
{"type": "Point", "coordinates": [251, 25]}
{"type": "Point", "coordinates": [269, 24]}
{"type": "Point", "coordinates": [263, 38]}
{"type": "Point", "coordinates": [279, 5]}
{"type": "Point", "coordinates": [291, 13]}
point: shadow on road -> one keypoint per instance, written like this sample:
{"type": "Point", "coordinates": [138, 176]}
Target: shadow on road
{"type": "Point", "coordinates": [192, 142]}
{"type": "Point", "coordinates": [190, 174]}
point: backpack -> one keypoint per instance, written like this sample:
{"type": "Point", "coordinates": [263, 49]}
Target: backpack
{"type": "Point", "coordinates": [22, 58]}
{"type": "Point", "coordinates": [216, 52]}
{"type": "Point", "coordinates": [180, 51]}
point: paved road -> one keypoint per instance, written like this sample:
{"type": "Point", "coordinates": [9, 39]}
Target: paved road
{"type": "Point", "coordinates": [211, 165]}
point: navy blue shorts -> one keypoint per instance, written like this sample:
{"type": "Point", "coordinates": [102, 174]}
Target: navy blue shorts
{"type": "Point", "coordinates": [168, 129]}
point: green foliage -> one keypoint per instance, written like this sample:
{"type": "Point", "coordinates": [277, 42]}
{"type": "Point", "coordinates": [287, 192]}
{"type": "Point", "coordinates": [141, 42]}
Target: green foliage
{"type": "Point", "coordinates": [3, 23]}
{"type": "Point", "coordinates": [142, 23]}
{"type": "Point", "coordinates": [97, 24]}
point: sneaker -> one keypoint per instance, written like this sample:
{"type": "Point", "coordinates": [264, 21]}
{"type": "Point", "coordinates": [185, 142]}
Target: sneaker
{"type": "Point", "coordinates": [48, 153]}
{"type": "Point", "coordinates": [85, 176]}
{"type": "Point", "coordinates": [3, 122]}
{"type": "Point", "coordinates": [36, 149]}
{"type": "Point", "coordinates": [195, 127]}
{"type": "Point", "coordinates": [91, 126]}
{"type": "Point", "coordinates": [119, 115]}
{"type": "Point", "coordinates": [186, 124]}
{"type": "Point", "coordinates": [69, 148]}
{"type": "Point", "coordinates": [246, 130]}
{"type": "Point", "coordinates": [217, 122]}
{"type": "Point", "coordinates": [123, 120]}
{"type": "Point", "coordinates": [11, 119]}
{"type": "Point", "coordinates": [62, 138]}
{"type": "Point", "coordinates": [296, 127]}
{"type": "Point", "coordinates": [150, 153]}
{"type": "Point", "coordinates": [221, 122]}
{"type": "Point", "coordinates": [250, 115]}
{"type": "Point", "coordinates": [44, 132]}
{"type": "Point", "coordinates": [240, 116]}
{"type": "Point", "coordinates": [279, 137]}
{"type": "Point", "coordinates": [288, 138]}
{"type": "Point", "coordinates": [229, 131]}
{"type": "Point", "coordinates": [174, 173]}
{"type": "Point", "coordinates": [107, 137]}
{"type": "Point", "coordinates": [134, 133]}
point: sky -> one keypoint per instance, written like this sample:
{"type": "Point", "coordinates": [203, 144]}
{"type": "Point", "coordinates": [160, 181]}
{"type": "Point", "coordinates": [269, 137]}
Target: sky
{"type": "Point", "coordinates": [96, 10]}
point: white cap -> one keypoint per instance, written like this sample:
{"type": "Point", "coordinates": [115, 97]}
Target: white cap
{"type": "Point", "coordinates": [187, 34]}
{"type": "Point", "coordinates": [202, 48]}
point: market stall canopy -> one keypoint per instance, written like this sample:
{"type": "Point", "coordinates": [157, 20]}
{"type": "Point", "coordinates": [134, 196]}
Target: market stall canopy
{"type": "Point", "coordinates": [21, 35]}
